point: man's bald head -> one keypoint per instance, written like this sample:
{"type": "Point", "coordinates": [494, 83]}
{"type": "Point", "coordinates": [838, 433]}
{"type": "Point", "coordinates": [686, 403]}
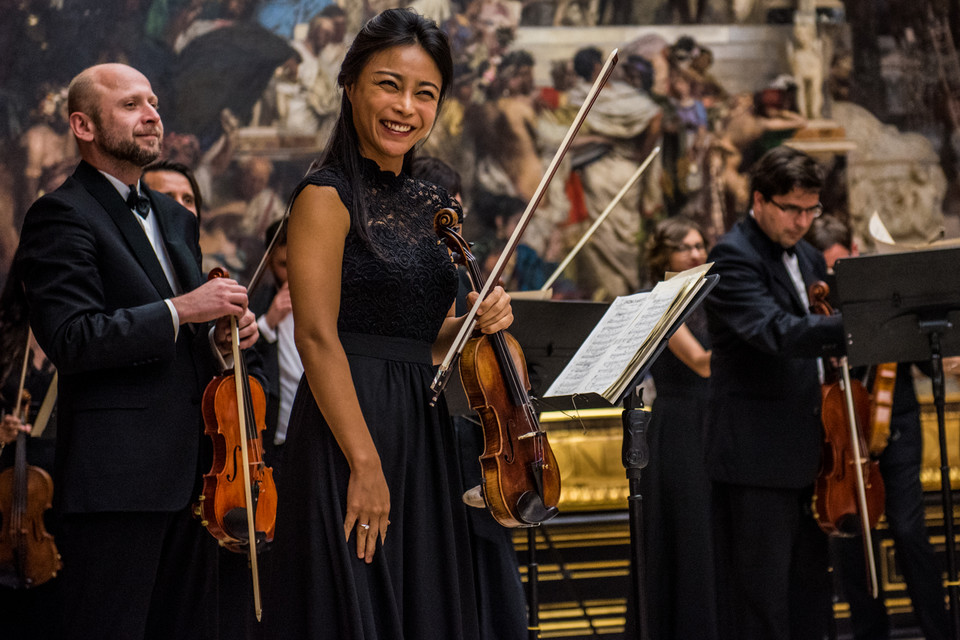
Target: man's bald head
{"type": "Point", "coordinates": [114, 117]}
{"type": "Point", "coordinates": [83, 94]}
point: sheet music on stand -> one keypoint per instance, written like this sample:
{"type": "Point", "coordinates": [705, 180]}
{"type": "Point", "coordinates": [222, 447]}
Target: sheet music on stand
{"type": "Point", "coordinates": [628, 339]}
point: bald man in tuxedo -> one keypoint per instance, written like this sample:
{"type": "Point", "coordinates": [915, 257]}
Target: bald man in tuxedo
{"type": "Point", "coordinates": [119, 304]}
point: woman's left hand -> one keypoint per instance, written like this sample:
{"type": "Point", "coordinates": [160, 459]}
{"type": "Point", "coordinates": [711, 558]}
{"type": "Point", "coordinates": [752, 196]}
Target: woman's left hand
{"type": "Point", "coordinates": [495, 313]}
{"type": "Point", "coordinates": [10, 427]}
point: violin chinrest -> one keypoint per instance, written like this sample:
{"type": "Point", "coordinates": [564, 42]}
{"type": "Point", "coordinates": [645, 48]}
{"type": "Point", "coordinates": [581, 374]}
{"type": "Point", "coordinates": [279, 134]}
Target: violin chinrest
{"type": "Point", "coordinates": [533, 510]}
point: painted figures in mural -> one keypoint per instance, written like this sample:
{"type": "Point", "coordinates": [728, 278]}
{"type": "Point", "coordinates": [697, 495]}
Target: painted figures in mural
{"type": "Point", "coordinates": [250, 93]}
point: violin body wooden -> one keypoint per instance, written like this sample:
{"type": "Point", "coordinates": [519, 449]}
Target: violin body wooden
{"type": "Point", "coordinates": [881, 406]}
{"type": "Point", "coordinates": [515, 453]}
{"type": "Point", "coordinates": [28, 554]}
{"type": "Point", "coordinates": [222, 503]}
{"type": "Point", "coordinates": [836, 489]}
{"type": "Point", "coordinates": [845, 459]}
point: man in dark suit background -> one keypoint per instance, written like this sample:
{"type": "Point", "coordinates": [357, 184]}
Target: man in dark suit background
{"type": "Point", "coordinates": [764, 431]}
{"type": "Point", "coordinates": [119, 304]}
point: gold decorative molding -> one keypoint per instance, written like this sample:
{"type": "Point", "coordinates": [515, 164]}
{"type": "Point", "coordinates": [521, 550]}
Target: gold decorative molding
{"type": "Point", "coordinates": [930, 470]}
{"type": "Point", "coordinates": [587, 445]}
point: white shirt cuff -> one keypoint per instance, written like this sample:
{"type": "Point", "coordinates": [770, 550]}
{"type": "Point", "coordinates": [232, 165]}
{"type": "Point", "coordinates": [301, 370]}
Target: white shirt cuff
{"type": "Point", "coordinates": [266, 332]}
{"type": "Point", "coordinates": [176, 318]}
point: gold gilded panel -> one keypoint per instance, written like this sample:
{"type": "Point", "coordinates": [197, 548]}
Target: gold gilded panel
{"type": "Point", "coordinates": [587, 445]}
{"type": "Point", "coordinates": [930, 471]}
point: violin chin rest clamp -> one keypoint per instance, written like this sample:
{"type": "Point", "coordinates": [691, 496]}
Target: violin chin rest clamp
{"type": "Point", "coordinates": [474, 497]}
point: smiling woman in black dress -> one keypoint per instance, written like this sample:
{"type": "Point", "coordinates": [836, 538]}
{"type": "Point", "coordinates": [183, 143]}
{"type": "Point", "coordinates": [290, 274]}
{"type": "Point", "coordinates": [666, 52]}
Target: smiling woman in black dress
{"type": "Point", "coordinates": [371, 537]}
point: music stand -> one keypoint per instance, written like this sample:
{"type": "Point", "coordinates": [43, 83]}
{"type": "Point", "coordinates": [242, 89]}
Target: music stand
{"type": "Point", "coordinates": [905, 307]}
{"type": "Point", "coordinates": [635, 452]}
{"type": "Point", "coordinates": [636, 455]}
{"type": "Point", "coordinates": [550, 332]}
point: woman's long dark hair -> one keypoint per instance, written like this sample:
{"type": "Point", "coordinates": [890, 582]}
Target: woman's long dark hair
{"type": "Point", "coordinates": [391, 28]}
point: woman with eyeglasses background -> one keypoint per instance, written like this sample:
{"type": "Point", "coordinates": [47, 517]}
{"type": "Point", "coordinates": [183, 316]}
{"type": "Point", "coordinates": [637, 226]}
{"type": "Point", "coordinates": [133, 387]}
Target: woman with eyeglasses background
{"type": "Point", "coordinates": [676, 490]}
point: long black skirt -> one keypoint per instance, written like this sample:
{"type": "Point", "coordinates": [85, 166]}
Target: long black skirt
{"type": "Point", "coordinates": [420, 583]}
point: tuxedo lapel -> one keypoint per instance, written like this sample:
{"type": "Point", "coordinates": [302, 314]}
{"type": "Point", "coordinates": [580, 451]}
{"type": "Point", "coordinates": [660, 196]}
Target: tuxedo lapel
{"type": "Point", "coordinates": [781, 273]}
{"type": "Point", "coordinates": [104, 193]}
{"type": "Point", "coordinates": [183, 260]}
{"type": "Point", "coordinates": [772, 253]}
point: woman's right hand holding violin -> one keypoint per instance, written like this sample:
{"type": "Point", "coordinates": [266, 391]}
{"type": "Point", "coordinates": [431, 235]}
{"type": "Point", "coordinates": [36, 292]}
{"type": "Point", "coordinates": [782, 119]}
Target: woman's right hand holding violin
{"type": "Point", "coordinates": [495, 313]}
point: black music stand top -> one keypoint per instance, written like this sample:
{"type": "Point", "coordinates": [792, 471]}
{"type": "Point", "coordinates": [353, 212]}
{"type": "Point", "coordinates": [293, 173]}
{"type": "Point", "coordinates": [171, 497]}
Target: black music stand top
{"type": "Point", "coordinates": [549, 333]}
{"type": "Point", "coordinates": [891, 302]}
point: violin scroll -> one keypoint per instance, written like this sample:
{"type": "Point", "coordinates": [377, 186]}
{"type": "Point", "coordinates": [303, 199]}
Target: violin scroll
{"type": "Point", "coordinates": [818, 293]}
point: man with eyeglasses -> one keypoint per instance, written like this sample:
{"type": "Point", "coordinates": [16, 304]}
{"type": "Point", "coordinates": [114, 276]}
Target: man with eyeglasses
{"type": "Point", "coordinates": [764, 431]}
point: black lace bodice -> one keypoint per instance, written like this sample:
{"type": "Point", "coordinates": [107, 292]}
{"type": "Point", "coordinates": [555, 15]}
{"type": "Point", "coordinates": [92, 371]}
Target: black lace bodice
{"type": "Point", "coordinates": [406, 288]}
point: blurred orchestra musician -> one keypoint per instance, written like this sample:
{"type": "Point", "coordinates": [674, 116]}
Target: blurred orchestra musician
{"type": "Point", "coordinates": [679, 544]}
{"type": "Point", "coordinates": [764, 432]}
{"type": "Point", "coordinates": [900, 463]}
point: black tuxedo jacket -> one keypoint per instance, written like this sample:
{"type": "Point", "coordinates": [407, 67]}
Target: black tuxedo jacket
{"type": "Point", "coordinates": [130, 427]}
{"type": "Point", "coordinates": [764, 426]}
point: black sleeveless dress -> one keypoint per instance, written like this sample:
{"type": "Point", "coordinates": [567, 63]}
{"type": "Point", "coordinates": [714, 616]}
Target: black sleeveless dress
{"type": "Point", "coordinates": [676, 498]}
{"type": "Point", "coordinates": [420, 583]}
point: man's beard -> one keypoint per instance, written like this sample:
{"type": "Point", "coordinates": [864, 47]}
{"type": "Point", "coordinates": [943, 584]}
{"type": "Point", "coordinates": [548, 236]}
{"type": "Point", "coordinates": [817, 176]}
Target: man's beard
{"type": "Point", "coordinates": [126, 150]}
{"type": "Point", "coordinates": [129, 151]}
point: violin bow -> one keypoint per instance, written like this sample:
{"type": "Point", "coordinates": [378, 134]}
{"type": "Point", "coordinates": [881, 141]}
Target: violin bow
{"type": "Point", "coordinates": [470, 320]}
{"type": "Point", "coordinates": [861, 483]}
{"type": "Point", "coordinates": [238, 376]}
{"type": "Point", "coordinates": [603, 216]}
{"type": "Point", "coordinates": [23, 371]}
{"type": "Point", "coordinates": [255, 278]}
{"type": "Point", "coordinates": [46, 408]}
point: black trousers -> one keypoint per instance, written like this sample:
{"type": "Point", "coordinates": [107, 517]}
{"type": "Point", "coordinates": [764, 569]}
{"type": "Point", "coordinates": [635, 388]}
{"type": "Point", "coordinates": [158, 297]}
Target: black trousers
{"type": "Point", "coordinates": [772, 564]}
{"type": "Point", "coordinates": [900, 467]}
{"type": "Point", "coordinates": [138, 575]}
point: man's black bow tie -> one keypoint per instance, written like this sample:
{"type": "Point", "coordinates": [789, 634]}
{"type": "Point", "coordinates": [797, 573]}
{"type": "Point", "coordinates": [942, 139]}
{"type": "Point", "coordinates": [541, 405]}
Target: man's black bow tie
{"type": "Point", "coordinates": [138, 202]}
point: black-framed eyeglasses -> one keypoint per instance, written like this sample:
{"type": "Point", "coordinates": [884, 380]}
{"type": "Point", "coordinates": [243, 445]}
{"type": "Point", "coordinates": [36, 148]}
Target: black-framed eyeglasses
{"type": "Point", "coordinates": [794, 211]}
